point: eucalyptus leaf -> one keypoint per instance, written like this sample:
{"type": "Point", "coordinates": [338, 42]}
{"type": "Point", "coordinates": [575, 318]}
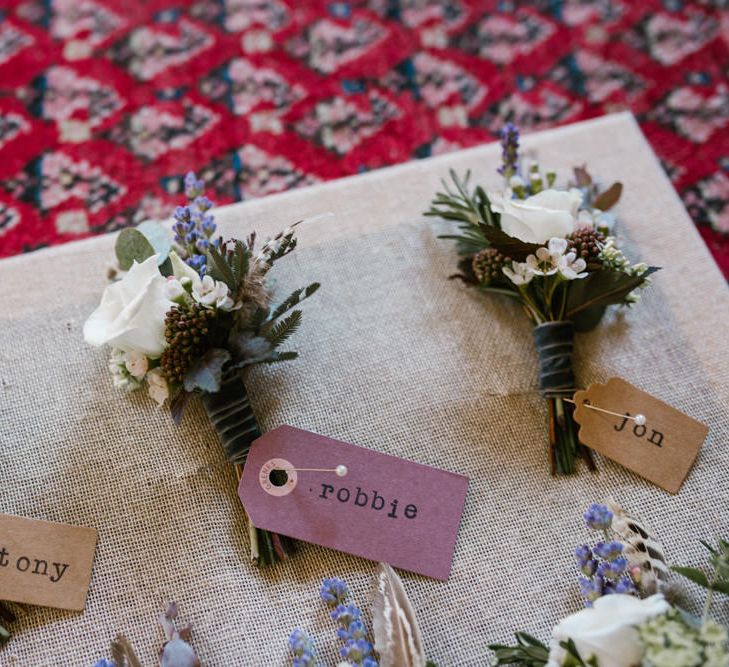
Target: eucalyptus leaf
{"type": "Point", "coordinates": [132, 245]}
{"type": "Point", "coordinates": [582, 176]}
{"type": "Point", "coordinates": [206, 373]}
{"type": "Point", "coordinates": [159, 238]}
{"type": "Point", "coordinates": [608, 199]}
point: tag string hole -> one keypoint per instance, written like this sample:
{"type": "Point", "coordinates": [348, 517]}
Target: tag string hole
{"type": "Point", "coordinates": [278, 477]}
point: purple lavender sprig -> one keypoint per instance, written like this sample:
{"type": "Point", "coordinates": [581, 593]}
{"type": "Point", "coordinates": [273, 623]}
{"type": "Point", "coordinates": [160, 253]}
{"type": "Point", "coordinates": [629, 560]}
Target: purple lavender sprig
{"type": "Point", "coordinates": [352, 629]}
{"type": "Point", "coordinates": [334, 591]}
{"type": "Point", "coordinates": [194, 225]}
{"type": "Point", "coordinates": [302, 646]}
{"type": "Point", "coordinates": [510, 151]}
{"type": "Point", "coordinates": [598, 517]}
{"type": "Point", "coordinates": [604, 568]}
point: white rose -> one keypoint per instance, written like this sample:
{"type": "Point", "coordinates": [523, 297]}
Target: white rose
{"type": "Point", "coordinates": [159, 391]}
{"type": "Point", "coordinates": [607, 630]}
{"type": "Point", "coordinates": [132, 313]}
{"type": "Point", "coordinates": [540, 217]}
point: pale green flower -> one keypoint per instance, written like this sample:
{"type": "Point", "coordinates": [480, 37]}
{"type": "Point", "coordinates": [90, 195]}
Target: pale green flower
{"type": "Point", "coordinates": [669, 641]}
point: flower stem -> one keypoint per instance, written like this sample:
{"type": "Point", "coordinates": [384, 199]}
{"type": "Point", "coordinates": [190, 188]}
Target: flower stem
{"type": "Point", "coordinates": [231, 414]}
{"type": "Point", "coordinates": [567, 449]}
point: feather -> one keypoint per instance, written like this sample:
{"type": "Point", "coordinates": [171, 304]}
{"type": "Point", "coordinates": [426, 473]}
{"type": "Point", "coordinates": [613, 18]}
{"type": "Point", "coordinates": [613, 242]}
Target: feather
{"type": "Point", "coordinates": [641, 549]}
{"type": "Point", "coordinates": [123, 654]}
{"type": "Point", "coordinates": [397, 635]}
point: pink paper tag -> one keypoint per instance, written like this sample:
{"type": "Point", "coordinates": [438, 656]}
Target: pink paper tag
{"type": "Point", "coordinates": [384, 508]}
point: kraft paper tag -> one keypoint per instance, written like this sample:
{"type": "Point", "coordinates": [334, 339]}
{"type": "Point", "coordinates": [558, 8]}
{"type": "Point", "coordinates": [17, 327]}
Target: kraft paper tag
{"type": "Point", "coordinates": [662, 450]}
{"type": "Point", "coordinates": [43, 563]}
{"type": "Point", "coordinates": [384, 509]}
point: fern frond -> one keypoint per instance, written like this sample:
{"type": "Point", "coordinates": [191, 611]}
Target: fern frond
{"type": "Point", "coordinates": [296, 297]}
{"type": "Point", "coordinates": [239, 266]}
{"type": "Point", "coordinates": [219, 268]}
{"type": "Point", "coordinates": [281, 331]}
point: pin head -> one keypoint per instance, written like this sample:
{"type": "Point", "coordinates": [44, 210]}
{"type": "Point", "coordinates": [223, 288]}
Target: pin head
{"type": "Point", "coordinates": [341, 470]}
{"type": "Point", "coordinates": [639, 420]}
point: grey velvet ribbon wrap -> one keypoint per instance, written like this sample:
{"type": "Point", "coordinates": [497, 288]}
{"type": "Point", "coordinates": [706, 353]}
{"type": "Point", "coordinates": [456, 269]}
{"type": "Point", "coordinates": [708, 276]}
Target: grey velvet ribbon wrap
{"type": "Point", "coordinates": [231, 414]}
{"type": "Point", "coordinates": [554, 341]}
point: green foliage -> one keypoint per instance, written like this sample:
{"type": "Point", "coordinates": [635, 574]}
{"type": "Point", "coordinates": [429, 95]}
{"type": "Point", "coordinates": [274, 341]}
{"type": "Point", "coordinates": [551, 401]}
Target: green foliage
{"type": "Point", "coordinates": [132, 246]}
{"type": "Point", "coordinates": [240, 261]}
{"type": "Point", "coordinates": [528, 651]}
{"type": "Point", "coordinates": [220, 269]}
{"type": "Point", "coordinates": [588, 297]}
{"type": "Point", "coordinates": [462, 204]}
{"type": "Point", "coordinates": [296, 297]}
{"type": "Point", "coordinates": [206, 373]}
{"type": "Point", "coordinates": [509, 246]}
{"type": "Point", "coordinates": [573, 659]}
{"type": "Point", "coordinates": [159, 238]}
{"type": "Point", "coordinates": [281, 331]}
{"type": "Point", "coordinates": [471, 209]}
{"type": "Point", "coordinates": [281, 356]}
{"type": "Point", "coordinates": [718, 579]}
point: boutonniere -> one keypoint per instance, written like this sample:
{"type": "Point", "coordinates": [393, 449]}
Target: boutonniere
{"type": "Point", "coordinates": [552, 250]}
{"type": "Point", "coordinates": [189, 314]}
{"type": "Point", "coordinates": [632, 614]}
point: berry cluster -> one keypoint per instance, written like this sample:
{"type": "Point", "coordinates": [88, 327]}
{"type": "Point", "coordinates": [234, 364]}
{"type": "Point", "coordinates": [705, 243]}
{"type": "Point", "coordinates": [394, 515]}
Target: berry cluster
{"type": "Point", "coordinates": [586, 243]}
{"type": "Point", "coordinates": [488, 265]}
{"type": "Point", "coordinates": [187, 332]}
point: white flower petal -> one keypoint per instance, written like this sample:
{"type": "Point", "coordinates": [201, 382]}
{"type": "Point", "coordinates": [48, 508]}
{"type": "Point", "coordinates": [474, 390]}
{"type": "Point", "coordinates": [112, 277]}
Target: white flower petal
{"type": "Point", "coordinates": [181, 270]}
{"type": "Point", "coordinates": [607, 631]}
{"type": "Point", "coordinates": [557, 245]}
{"type": "Point", "coordinates": [132, 312]}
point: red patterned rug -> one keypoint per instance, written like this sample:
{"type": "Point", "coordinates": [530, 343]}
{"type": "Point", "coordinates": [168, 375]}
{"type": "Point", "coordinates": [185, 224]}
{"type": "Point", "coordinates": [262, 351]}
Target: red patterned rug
{"type": "Point", "coordinates": [105, 104]}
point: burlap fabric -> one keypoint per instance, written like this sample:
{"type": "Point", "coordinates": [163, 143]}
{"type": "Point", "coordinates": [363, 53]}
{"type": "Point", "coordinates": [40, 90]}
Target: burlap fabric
{"type": "Point", "coordinates": [394, 357]}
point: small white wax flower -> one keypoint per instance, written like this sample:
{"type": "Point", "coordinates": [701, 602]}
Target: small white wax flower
{"type": "Point", "coordinates": [174, 290]}
{"type": "Point", "coordinates": [137, 364]}
{"type": "Point", "coordinates": [572, 268]}
{"type": "Point", "coordinates": [519, 273]}
{"type": "Point", "coordinates": [544, 263]}
{"type": "Point", "coordinates": [120, 375]}
{"type": "Point", "coordinates": [157, 386]}
{"type": "Point", "coordinates": [226, 303]}
{"type": "Point", "coordinates": [204, 292]}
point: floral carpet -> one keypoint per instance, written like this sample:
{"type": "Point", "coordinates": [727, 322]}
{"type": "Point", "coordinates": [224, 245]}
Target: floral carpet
{"type": "Point", "coordinates": [105, 104]}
